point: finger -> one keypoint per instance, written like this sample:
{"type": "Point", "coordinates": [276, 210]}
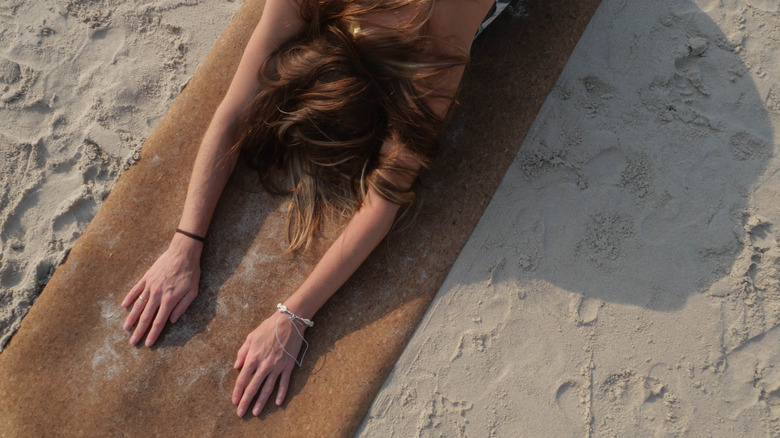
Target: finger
{"type": "Point", "coordinates": [284, 383]}
{"type": "Point", "coordinates": [134, 292]}
{"type": "Point", "coordinates": [159, 322]}
{"type": "Point", "coordinates": [251, 390]}
{"type": "Point", "coordinates": [146, 318]}
{"type": "Point", "coordinates": [242, 381]}
{"type": "Point", "coordinates": [182, 305]}
{"type": "Point", "coordinates": [135, 312]}
{"type": "Point", "coordinates": [265, 393]}
{"type": "Point", "coordinates": [241, 355]}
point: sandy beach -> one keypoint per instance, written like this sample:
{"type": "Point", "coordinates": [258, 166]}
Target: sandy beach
{"type": "Point", "coordinates": [82, 85]}
{"type": "Point", "coordinates": [623, 280]}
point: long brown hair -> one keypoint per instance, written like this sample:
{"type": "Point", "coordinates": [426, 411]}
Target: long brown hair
{"type": "Point", "coordinates": [332, 96]}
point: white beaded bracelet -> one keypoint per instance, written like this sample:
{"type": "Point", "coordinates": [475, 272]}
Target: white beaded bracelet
{"type": "Point", "coordinates": [293, 317]}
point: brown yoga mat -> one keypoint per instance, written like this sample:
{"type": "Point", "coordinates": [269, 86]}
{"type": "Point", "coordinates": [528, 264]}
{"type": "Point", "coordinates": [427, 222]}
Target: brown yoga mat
{"type": "Point", "coordinates": [70, 371]}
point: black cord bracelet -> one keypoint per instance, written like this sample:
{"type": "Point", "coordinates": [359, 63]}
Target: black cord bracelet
{"type": "Point", "coordinates": [190, 235]}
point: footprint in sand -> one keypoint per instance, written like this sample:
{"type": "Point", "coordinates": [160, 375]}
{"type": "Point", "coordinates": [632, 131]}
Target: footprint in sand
{"type": "Point", "coordinates": [760, 233]}
{"type": "Point", "coordinates": [504, 278]}
{"type": "Point", "coordinates": [773, 99]}
{"type": "Point", "coordinates": [688, 78]}
{"type": "Point", "coordinates": [597, 95]}
{"type": "Point", "coordinates": [89, 14]}
{"type": "Point", "coordinates": [473, 344]}
{"type": "Point", "coordinates": [10, 72]}
{"type": "Point", "coordinates": [74, 216]}
{"type": "Point", "coordinates": [570, 399]}
{"type": "Point", "coordinates": [605, 238]}
{"type": "Point", "coordinates": [638, 175]}
{"type": "Point", "coordinates": [750, 289]}
{"type": "Point", "coordinates": [747, 146]}
{"type": "Point", "coordinates": [573, 398]}
{"type": "Point", "coordinates": [753, 383]}
{"type": "Point", "coordinates": [604, 168]}
{"type": "Point", "coordinates": [16, 81]}
{"type": "Point", "coordinates": [654, 227]}
{"type": "Point", "coordinates": [584, 311]}
{"type": "Point", "coordinates": [108, 141]}
{"type": "Point", "coordinates": [627, 404]}
{"type": "Point", "coordinates": [529, 243]}
{"type": "Point", "coordinates": [10, 274]}
{"type": "Point", "coordinates": [443, 417]}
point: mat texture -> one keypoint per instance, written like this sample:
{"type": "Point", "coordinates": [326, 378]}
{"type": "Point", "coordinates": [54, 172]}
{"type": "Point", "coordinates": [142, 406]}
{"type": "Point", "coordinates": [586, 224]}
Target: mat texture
{"type": "Point", "coordinates": [69, 370]}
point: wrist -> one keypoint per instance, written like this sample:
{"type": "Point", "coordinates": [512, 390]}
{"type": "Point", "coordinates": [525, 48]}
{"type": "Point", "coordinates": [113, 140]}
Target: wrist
{"type": "Point", "coordinates": [298, 324]}
{"type": "Point", "coordinates": [295, 318]}
{"type": "Point", "coordinates": [186, 246]}
{"type": "Point", "coordinates": [299, 308]}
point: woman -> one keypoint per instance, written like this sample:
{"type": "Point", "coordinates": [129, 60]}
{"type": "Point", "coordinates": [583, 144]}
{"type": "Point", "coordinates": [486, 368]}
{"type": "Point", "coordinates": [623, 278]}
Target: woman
{"type": "Point", "coordinates": [347, 106]}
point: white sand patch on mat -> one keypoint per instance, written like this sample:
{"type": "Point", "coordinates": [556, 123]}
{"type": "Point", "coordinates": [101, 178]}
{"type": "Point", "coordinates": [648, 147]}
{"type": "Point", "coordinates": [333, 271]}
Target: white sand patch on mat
{"type": "Point", "coordinates": [624, 279]}
{"type": "Point", "coordinates": [82, 84]}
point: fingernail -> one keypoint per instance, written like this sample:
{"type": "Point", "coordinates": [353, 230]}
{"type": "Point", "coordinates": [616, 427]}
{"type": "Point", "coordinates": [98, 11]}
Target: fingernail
{"type": "Point", "coordinates": [241, 412]}
{"type": "Point", "coordinates": [148, 343]}
{"type": "Point", "coordinates": [134, 340]}
{"type": "Point", "coordinates": [256, 412]}
{"type": "Point", "coordinates": [126, 326]}
{"type": "Point", "coordinates": [235, 400]}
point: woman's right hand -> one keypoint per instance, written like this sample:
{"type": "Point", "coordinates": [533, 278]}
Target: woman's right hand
{"type": "Point", "coordinates": [266, 356]}
{"type": "Point", "coordinates": [166, 290]}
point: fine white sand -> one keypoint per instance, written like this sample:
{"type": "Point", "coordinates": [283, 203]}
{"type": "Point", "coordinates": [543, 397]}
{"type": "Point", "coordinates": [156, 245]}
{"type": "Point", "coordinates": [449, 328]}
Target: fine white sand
{"type": "Point", "coordinates": [624, 279]}
{"type": "Point", "coordinates": [82, 84]}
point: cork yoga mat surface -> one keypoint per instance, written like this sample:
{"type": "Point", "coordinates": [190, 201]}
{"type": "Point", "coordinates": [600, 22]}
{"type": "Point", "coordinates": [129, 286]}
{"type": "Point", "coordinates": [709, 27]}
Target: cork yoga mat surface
{"type": "Point", "coordinates": [69, 370]}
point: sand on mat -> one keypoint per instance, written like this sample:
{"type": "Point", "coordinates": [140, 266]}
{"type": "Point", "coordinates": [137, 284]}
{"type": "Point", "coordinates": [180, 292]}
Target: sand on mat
{"type": "Point", "coordinates": [82, 84]}
{"type": "Point", "coordinates": [624, 279]}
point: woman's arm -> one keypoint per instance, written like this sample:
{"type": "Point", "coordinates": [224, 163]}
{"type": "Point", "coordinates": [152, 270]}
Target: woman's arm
{"type": "Point", "coordinates": [453, 21]}
{"type": "Point", "coordinates": [171, 284]}
{"type": "Point", "coordinates": [363, 233]}
{"type": "Point", "coordinates": [215, 161]}
{"type": "Point", "coordinates": [264, 358]}
{"type": "Point", "coordinates": [260, 357]}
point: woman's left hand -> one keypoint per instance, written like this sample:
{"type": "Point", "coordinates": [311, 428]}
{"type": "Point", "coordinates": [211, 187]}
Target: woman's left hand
{"type": "Point", "coordinates": [262, 361]}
